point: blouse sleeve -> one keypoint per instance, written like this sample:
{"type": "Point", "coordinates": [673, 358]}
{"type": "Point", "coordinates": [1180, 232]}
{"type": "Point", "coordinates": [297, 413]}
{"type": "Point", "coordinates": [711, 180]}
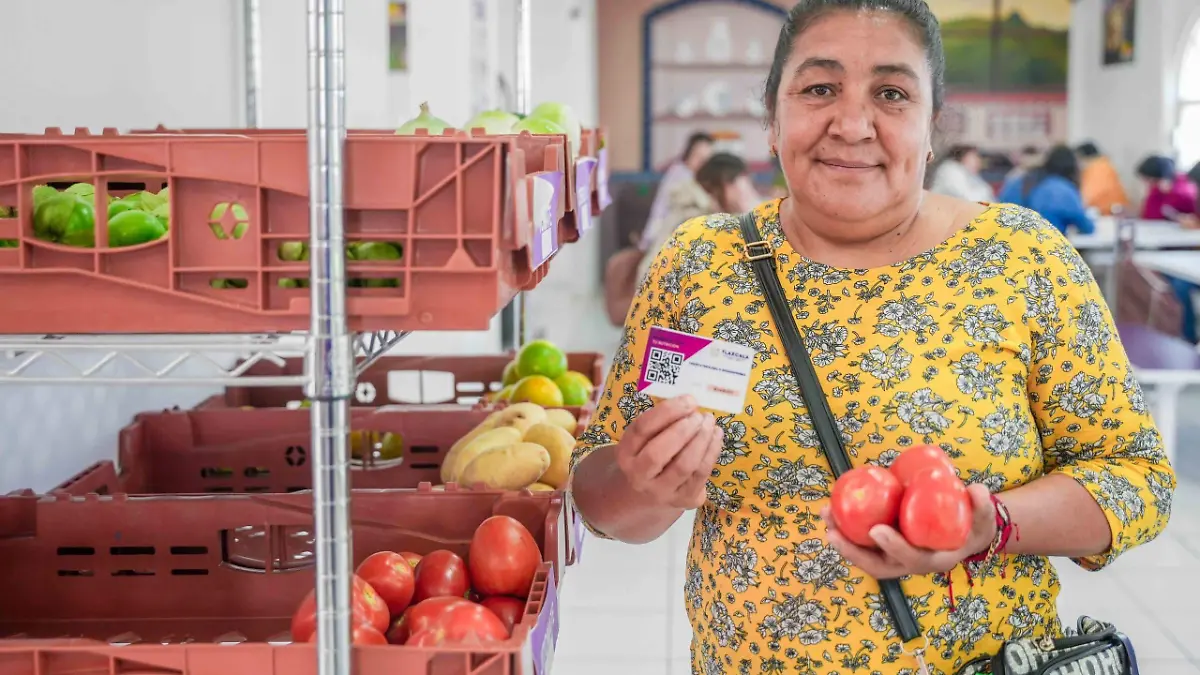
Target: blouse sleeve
{"type": "Point", "coordinates": [1088, 405]}
{"type": "Point", "coordinates": [655, 304]}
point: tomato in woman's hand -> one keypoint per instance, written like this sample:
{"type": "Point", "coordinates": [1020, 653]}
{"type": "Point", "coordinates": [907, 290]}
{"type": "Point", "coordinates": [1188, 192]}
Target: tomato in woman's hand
{"type": "Point", "coordinates": [862, 498]}
{"type": "Point", "coordinates": [919, 459]}
{"type": "Point", "coordinates": [936, 514]}
{"type": "Point", "coordinates": [412, 558]}
{"type": "Point", "coordinates": [361, 634]}
{"type": "Point", "coordinates": [392, 578]}
{"type": "Point", "coordinates": [438, 574]}
{"type": "Point", "coordinates": [503, 558]}
{"type": "Point", "coordinates": [510, 610]}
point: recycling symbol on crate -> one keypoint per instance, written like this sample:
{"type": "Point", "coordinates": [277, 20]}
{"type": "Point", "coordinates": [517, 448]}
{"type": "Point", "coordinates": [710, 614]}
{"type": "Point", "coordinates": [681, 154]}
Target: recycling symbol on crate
{"type": "Point", "coordinates": [229, 220]}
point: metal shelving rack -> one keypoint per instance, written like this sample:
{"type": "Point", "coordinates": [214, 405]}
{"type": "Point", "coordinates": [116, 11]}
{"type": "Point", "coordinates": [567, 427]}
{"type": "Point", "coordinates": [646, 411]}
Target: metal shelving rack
{"type": "Point", "coordinates": [334, 356]}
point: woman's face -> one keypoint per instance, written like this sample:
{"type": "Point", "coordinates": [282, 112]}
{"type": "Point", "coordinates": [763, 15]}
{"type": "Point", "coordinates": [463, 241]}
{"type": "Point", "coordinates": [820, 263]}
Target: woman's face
{"type": "Point", "coordinates": [854, 116]}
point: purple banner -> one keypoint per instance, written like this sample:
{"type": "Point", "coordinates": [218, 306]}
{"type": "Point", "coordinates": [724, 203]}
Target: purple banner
{"type": "Point", "coordinates": [544, 635]}
{"type": "Point", "coordinates": [602, 179]}
{"type": "Point", "coordinates": [544, 207]}
{"type": "Point", "coordinates": [585, 168]}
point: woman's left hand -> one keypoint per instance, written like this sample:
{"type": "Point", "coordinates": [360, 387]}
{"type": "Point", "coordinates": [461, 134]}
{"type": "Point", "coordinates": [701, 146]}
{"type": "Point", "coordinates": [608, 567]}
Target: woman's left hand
{"type": "Point", "coordinates": [896, 558]}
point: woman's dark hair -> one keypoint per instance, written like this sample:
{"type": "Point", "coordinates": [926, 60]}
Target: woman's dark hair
{"type": "Point", "coordinates": [1157, 167]}
{"type": "Point", "coordinates": [957, 152]}
{"type": "Point", "coordinates": [1087, 150]}
{"type": "Point", "coordinates": [1194, 174]}
{"type": "Point", "coordinates": [720, 170]}
{"type": "Point", "coordinates": [1060, 161]}
{"type": "Point", "coordinates": [805, 12]}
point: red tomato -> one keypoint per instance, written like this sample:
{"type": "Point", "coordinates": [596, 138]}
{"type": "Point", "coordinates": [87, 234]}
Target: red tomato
{"type": "Point", "coordinates": [423, 615]}
{"type": "Point", "coordinates": [367, 608]}
{"type": "Point", "coordinates": [504, 557]}
{"type": "Point", "coordinates": [426, 638]}
{"type": "Point", "coordinates": [466, 624]}
{"type": "Point", "coordinates": [375, 610]}
{"type": "Point", "coordinates": [392, 577]}
{"type": "Point", "coordinates": [398, 634]}
{"type": "Point", "coordinates": [441, 573]}
{"type": "Point", "coordinates": [935, 514]}
{"type": "Point", "coordinates": [360, 635]}
{"type": "Point", "coordinates": [862, 498]}
{"type": "Point", "coordinates": [917, 460]}
{"type": "Point", "coordinates": [412, 558]}
{"type": "Point", "coordinates": [510, 610]}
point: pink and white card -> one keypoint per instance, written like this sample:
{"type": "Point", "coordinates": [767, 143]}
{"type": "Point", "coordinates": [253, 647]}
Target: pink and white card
{"type": "Point", "coordinates": [715, 372]}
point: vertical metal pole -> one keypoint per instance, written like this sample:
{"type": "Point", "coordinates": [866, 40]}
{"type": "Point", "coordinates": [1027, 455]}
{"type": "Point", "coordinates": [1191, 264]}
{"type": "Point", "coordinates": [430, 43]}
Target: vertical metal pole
{"type": "Point", "coordinates": [252, 36]}
{"type": "Point", "coordinates": [330, 358]}
{"type": "Point", "coordinates": [513, 318]}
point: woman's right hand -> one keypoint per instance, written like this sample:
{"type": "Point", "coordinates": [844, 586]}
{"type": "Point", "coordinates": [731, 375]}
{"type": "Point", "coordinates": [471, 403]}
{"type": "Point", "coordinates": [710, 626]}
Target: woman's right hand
{"type": "Point", "coordinates": [668, 453]}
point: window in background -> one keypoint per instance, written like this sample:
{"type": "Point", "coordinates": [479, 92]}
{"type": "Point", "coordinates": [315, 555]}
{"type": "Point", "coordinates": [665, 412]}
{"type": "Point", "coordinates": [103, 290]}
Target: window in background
{"type": "Point", "coordinates": [1187, 129]}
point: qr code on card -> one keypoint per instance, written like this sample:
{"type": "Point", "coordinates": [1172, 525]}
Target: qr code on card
{"type": "Point", "coordinates": [663, 366]}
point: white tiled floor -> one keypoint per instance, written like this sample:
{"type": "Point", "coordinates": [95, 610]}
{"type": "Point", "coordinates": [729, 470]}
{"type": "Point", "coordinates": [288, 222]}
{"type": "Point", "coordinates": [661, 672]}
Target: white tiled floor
{"type": "Point", "coordinates": [622, 608]}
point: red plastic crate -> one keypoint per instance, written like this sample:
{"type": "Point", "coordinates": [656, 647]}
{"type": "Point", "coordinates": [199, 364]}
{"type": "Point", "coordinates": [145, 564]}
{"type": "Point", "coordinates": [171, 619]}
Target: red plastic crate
{"type": "Point", "coordinates": [477, 219]}
{"type": "Point", "coordinates": [401, 379]}
{"type": "Point", "coordinates": [586, 192]}
{"type": "Point", "coordinates": [122, 585]}
{"type": "Point", "coordinates": [267, 450]}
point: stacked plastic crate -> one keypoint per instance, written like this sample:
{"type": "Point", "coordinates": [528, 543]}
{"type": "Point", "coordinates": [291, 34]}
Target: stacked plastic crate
{"type": "Point", "coordinates": [190, 554]}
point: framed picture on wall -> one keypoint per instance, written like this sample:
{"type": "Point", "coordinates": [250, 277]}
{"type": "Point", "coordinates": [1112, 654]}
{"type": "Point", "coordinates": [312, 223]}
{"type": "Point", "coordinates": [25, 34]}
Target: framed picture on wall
{"type": "Point", "coordinates": [398, 35]}
{"type": "Point", "coordinates": [1119, 41]}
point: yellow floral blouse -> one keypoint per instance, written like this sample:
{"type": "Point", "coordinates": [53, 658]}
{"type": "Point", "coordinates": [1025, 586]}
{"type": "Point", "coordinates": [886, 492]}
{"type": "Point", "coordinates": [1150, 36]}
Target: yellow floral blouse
{"type": "Point", "coordinates": [995, 345]}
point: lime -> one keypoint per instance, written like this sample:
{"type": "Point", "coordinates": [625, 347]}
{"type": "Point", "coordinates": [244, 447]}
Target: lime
{"type": "Point", "coordinates": [8, 243]}
{"type": "Point", "coordinates": [41, 193]}
{"type": "Point", "coordinates": [292, 251]}
{"type": "Point", "coordinates": [131, 228]}
{"type": "Point", "coordinates": [510, 375]}
{"type": "Point", "coordinates": [575, 392]}
{"type": "Point", "coordinates": [541, 357]}
{"type": "Point", "coordinates": [537, 389]}
{"type": "Point", "coordinates": [504, 394]}
{"type": "Point", "coordinates": [64, 213]}
{"type": "Point", "coordinates": [85, 190]}
{"type": "Point", "coordinates": [119, 206]}
{"type": "Point", "coordinates": [376, 250]}
{"type": "Point", "coordinates": [163, 213]}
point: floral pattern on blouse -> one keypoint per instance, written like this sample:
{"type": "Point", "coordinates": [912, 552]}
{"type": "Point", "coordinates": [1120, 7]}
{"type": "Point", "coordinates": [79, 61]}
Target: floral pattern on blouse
{"type": "Point", "coordinates": [996, 346]}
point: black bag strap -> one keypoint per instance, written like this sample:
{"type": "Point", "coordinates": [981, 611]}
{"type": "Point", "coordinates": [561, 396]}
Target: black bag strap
{"type": "Point", "coordinates": [761, 256]}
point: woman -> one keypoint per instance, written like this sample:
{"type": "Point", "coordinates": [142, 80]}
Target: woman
{"type": "Point", "coordinates": [1053, 191]}
{"type": "Point", "coordinates": [1099, 184]}
{"type": "Point", "coordinates": [930, 319]}
{"type": "Point", "coordinates": [696, 151]}
{"type": "Point", "coordinates": [721, 184]}
{"type": "Point", "coordinates": [1168, 193]}
{"type": "Point", "coordinates": [958, 176]}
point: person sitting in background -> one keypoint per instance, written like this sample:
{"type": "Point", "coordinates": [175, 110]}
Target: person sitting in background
{"type": "Point", "coordinates": [721, 184]}
{"type": "Point", "coordinates": [1099, 183]}
{"type": "Point", "coordinates": [697, 151]}
{"type": "Point", "coordinates": [1185, 291]}
{"type": "Point", "coordinates": [1029, 159]}
{"type": "Point", "coordinates": [958, 176]}
{"type": "Point", "coordinates": [1053, 191]}
{"type": "Point", "coordinates": [1169, 194]}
